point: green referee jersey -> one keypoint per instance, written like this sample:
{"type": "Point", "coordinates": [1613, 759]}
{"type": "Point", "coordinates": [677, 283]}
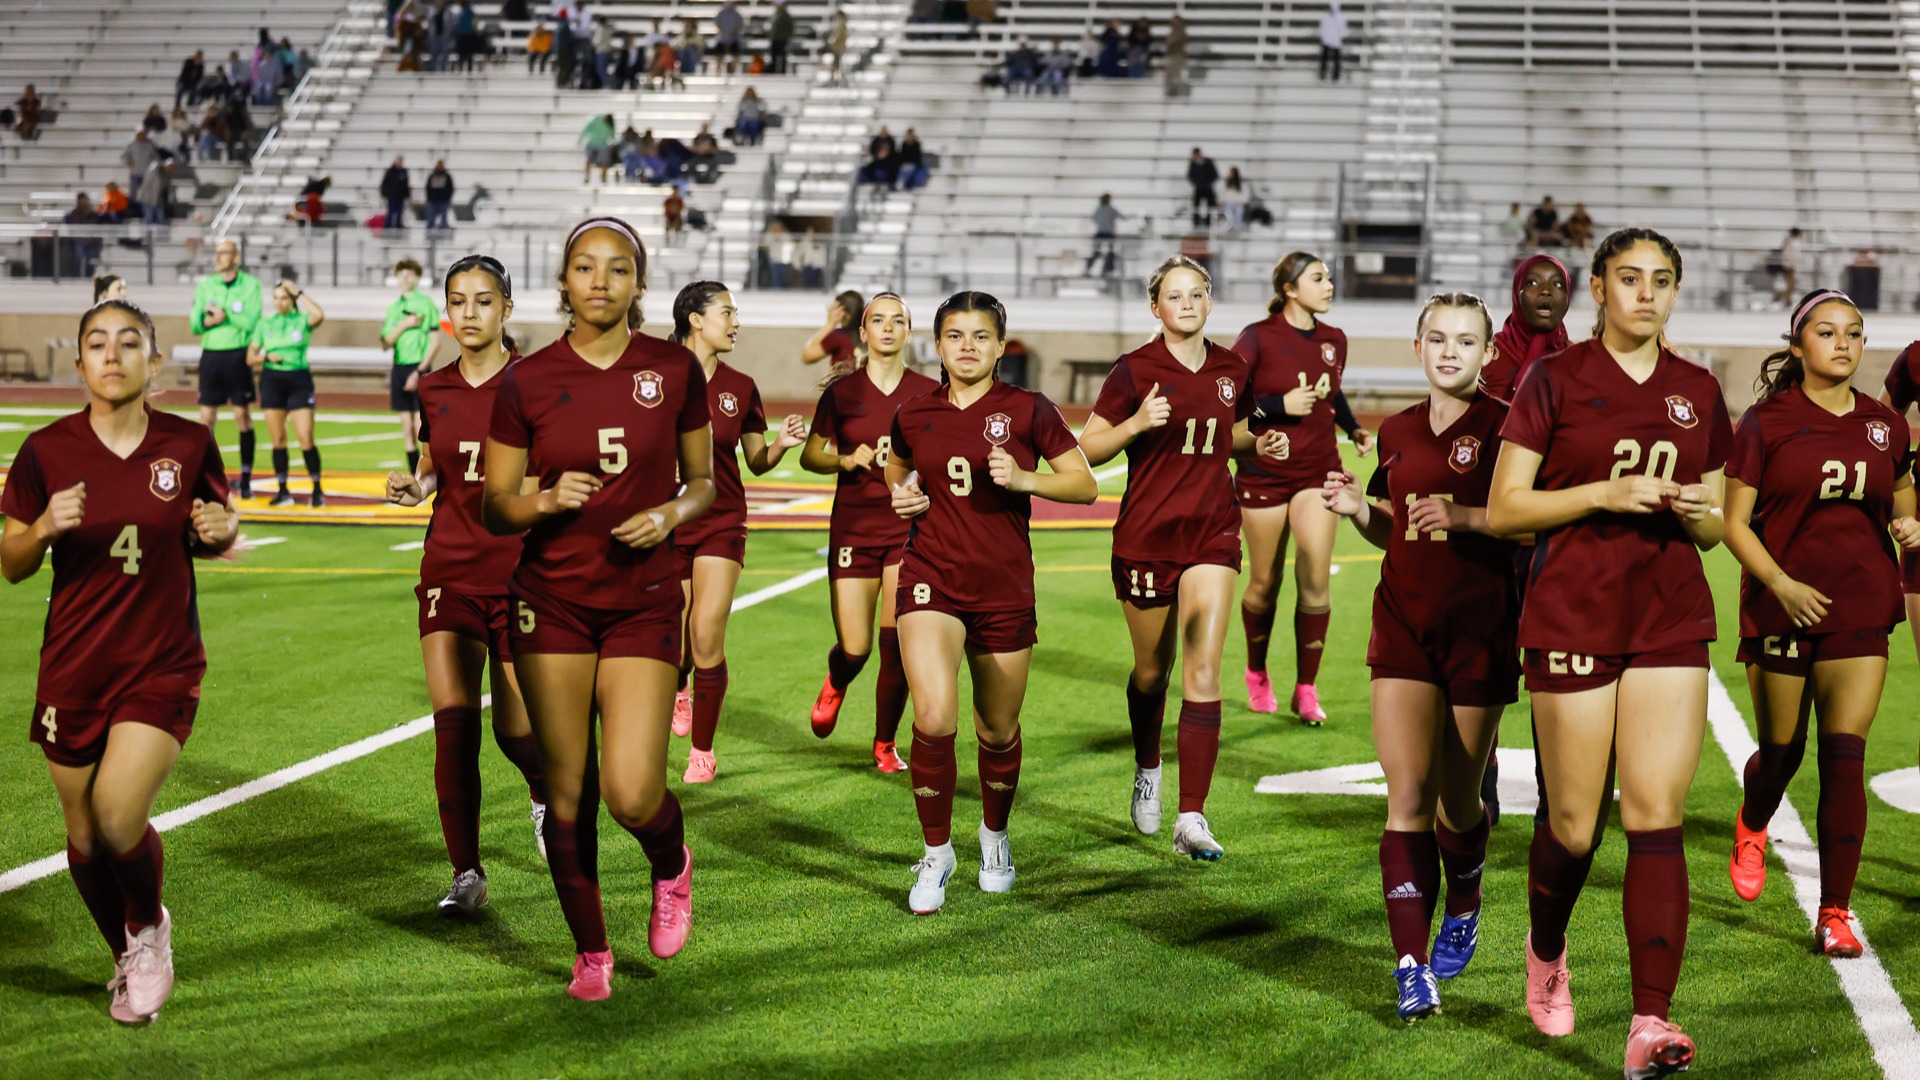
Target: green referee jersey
{"type": "Point", "coordinates": [239, 298]}
{"type": "Point", "coordinates": [410, 348]}
{"type": "Point", "coordinates": [284, 339]}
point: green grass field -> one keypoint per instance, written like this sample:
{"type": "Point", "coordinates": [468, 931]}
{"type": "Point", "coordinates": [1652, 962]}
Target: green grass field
{"type": "Point", "coordinates": [307, 942]}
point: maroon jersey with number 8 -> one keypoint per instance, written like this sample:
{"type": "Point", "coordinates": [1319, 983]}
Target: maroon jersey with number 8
{"type": "Point", "coordinates": [854, 413]}
{"type": "Point", "coordinates": [460, 552]}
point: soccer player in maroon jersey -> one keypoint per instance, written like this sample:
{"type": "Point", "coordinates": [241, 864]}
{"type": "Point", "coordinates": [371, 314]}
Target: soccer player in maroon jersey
{"type": "Point", "coordinates": [852, 440]}
{"type": "Point", "coordinates": [1177, 406]}
{"type": "Point", "coordinates": [600, 419]}
{"type": "Point", "coordinates": [713, 546]}
{"type": "Point", "coordinates": [966, 583]}
{"type": "Point", "coordinates": [463, 576]}
{"type": "Point", "coordinates": [1535, 327]}
{"type": "Point", "coordinates": [1819, 485]}
{"type": "Point", "coordinates": [1442, 652]}
{"type": "Point", "coordinates": [1901, 390]}
{"type": "Point", "coordinates": [1612, 457]}
{"type": "Point", "coordinates": [124, 497]}
{"type": "Point", "coordinates": [836, 342]}
{"type": "Point", "coordinates": [1297, 363]}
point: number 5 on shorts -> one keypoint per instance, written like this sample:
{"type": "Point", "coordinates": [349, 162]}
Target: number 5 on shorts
{"type": "Point", "coordinates": [922, 593]}
{"type": "Point", "coordinates": [526, 618]}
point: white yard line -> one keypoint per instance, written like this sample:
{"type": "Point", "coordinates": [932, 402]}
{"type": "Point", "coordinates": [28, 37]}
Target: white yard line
{"type": "Point", "coordinates": [337, 440]}
{"type": "Point", "coordinates": [392, 420]}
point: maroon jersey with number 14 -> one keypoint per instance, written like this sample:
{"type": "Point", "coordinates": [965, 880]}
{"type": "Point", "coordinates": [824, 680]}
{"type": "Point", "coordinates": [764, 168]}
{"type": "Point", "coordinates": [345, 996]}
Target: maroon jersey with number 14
{"type": "Point", "coordinates": [460, 552]}
{"type": "Point", "coordinates": [853, 412]}
{"type": "Point", "coordinates": [1284, 357]}
{"type": "Point", "coordinates": [122, 617]}
{"type": "Point", "coordinates": [1824, 499]}
{"type": "Point", "coordinates": [734, 403]}
{"type": "Point", "coordinates": [622, 425]}
{"type": "Point", "coordinates": [972, 541]}
{"type": "Point", "coordinates": [1180, 505]}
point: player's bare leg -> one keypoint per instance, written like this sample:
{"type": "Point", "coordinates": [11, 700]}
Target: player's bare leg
{"type": "Point", "coordinates": [1205, 610]}
{"type": "Point", "coordinates": [636, 712]}
{"type": "Point", "coordinates": [890, 682]}
{"type": "Point", "coordinates": [513, 733]}
{"type": "Point", "coordinates": [1847, 697]}
{"type": "Point", "coordinates": [559, 693]}
{"type": "Point", "coordinates": [1265, 529]}
{"type": "Point", "coordinates": [932, 647]}
{"type": "Point", "coordinates": [1314, 529]}
{"type": "Point", "coordinates": [1154, 633]}
{"type": "Point", "coordinates": [1781, 706]}
{"type": "Point", "coordinates": [852, 601]}
{"type": "Point", "coordinates": [454, 666]}
{"type": "Point", "coordinates": [715, 581]}
{"type": "Point", "coordinates": [136, 763]}
{"type": "Point", "coordinates": [683, 697]}
{"type": "Point", "coordinates": [999, 690]}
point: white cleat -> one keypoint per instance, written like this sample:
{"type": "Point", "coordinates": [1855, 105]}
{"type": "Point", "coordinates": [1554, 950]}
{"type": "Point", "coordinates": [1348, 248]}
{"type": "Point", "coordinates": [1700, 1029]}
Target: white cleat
{"type": "Point", "coordinates": [1192, 838]}
{"type": "Point", "coordinates": [467, 895]}
{"type": "Point", "coordinates": [930, 886]}
{"type": "Point", "coordinates": [119, 1009]}
{"type": "Point", "coordinates": [148, 963]}
{"type": "Point", "coordinates": [539, 815]}
{"type": "Point", "coordinates": [996, 862]}
{"type": "Point", "coordinates": [1146, 800]}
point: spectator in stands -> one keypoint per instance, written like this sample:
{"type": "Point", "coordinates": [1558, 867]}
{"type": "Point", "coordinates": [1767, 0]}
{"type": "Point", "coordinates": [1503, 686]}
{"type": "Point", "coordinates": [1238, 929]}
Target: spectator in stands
{"type": "Point", "coordinates": [810, 261]}
{"type": "Point", "coordinates": [236, 69]}
{"type": "Point", "coordinates": [312, 206]}
{"type": "Point", "coordinates": [672, 213]}
{"type": "Point", "coordinates": [152, 192]}
{"type": "Point", "coordinates": [396, 189]}
{"type": "Point", "coordinates": [539, 48]}
{"type": "Point", "coordinates": [26, 114]}
{"type": "Point", "coordinates": [85, 249]}
{"type": "Point", "coordinates": [155, 122]}
{"type": "Point", "coordinates": [641, 158]}
{"type": "Point", "coordinates": [1233, 199]}
{"type": "Point", "coordinates": [604, 53]}
{"type": "Point", "coordinates": [664, 70]}
{"type": "Point", "coordinates": [439, 196]}
{"type": "Point", "coordinates": [1579, 227]}
{"type": "Point", "coordinates": [440, 21]}
{"type": "Point", "coordinates": [264, 73]}
{"type": "Point", "coordinates": [212, 132]}
{"type": "Point", "coordinates": [884, 169]}
{"type": "Point", "coordinates": [563, 46]}
{"type": "Point", "coordinates": [292, 65]}
{"type": "Point", "coordinates": [583, 43]}
{"type": "Point", "coordinates": [779, 38]}
{"type": "Point", "coordinates": [138, 154]}
{"type": "Point", "coordinates": [1333, 39]}
{"type": "Point", "coordinates": [1139, 48]}
{"type": "Point", "coordinates": [1514, 230]}
{"type": "Point", "coordinates": [674, 156]}
{"type": "Point", "coordinates": [913, 163]}
{"type": "Point", "coordinates": [184, 128]}
{"type": "Point", "coordinates": [239, 127]}
{"type": "Point", "coordinates": [1543, 225]}
{"type": "Point", "coordinates": [109, 287]}
{"type": "Point", "coordinates": [1111, 64]}
{"type": "Point", "coordinates": [113, 205]}
{"type": "Point", "coordinates": [981, 11]}
{"type": "Point", "coordinates": [921, 12]}
{"type": "Point", "coordinates": [687, 52]}
{"type": "Point", "coordinates": [836, 46]}
{"type": "Point", "coordinates": [1202, 175]}
{"type": "Point", "coordinates": [705, 163]}
{"type": "Point", "coordinates": [1055, 69]}
{"type": "Point", "coordinates": [466, 35]}
{"type": "Point", "coordinates": [187, 85]}
{"type": "Point", "coordinates": [1786, 267]}
{"type": "Point", "coordinates": [1106, 226]}
{"type": "Point", "coordinates": [1176, 56]}
{"type": "Point", "coordinates": [749, 119]}
{"type": "Point", "coordinates": [598, 137]}
{"type": "Point", "coordinates": [629, 64]}
{"type": "Point", "coordinates": [1022, 67]}
{"type": "Point", "coordinates": [884, 140]}
{"type": "Point", "coordinates": [729, 24]}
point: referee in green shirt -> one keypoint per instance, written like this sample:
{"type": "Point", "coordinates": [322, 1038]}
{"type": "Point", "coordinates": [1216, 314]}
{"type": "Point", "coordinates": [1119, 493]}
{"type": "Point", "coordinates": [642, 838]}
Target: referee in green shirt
{"type": "Point", "coordinates": [412, 332]}
{"type": "Point", "coordinates": [279, 351]}
{"type": "Point", "coordinates": [226, 307]}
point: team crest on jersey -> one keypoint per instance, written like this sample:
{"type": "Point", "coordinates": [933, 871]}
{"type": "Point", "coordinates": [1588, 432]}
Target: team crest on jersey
{"type": "Point", "coordinates": [649, 388]}
{"type": "Point", "coordinates": [166, 479]}
{"type": "Point", "coordinates": [729, 404]}
{"type": "Point", "coordinates": [1465, 455]}
{"type": "Point", "coordinates": [1326, 352]}
{"type": "Point", "coordinates": [1681, 411]}
{"type": "Point", "coordinates": [999, 428]}
{"type": "Point", "coordinates": [1227, 391]}
{"type": "Point", "coordinates": [1879, 434]}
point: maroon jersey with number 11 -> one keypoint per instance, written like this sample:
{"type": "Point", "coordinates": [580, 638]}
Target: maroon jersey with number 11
{"type": "Point", "coordinates": [854, 412]}
{"type": "Point", "coordinates": [734, 403]}
{"type": "Point", "coordinates": [460, 552]}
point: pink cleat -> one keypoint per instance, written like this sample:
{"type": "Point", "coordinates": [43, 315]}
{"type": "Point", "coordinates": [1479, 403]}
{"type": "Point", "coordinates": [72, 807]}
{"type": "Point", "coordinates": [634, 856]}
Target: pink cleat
{"type": "Point", "coordinates": [1306, 705]}
{"type": "Point", "coordinates": [826, 709]}
{"type": "Point", "coordinates": [592, 976]}
{"type": "Point", "coordinates": [699, 767]}
{"type": "Point", "coordinates": [886, 758]}
{"type": "Point", "coordinates": [1656, 1047]}
{"type": "Point", "coordinates": [683, 714]}
{"type": "Point", "coordinates": [1549, 1000]}
{"type": "Point", "coordinates": [148, 964]}
{"type": "Point", "coordinates": [672, 911]}
{"type": "Point", "coordinates": [1260, 693]}
{"type": "Point", "coordinates": [120, 1010]}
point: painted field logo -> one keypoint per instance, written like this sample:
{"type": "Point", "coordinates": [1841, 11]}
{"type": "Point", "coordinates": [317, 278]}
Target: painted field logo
{"type": "Point", "coordinates": [1879, 434]}
{"type": "Point", "coordinates": [729, 404]}
{"type": "Point", "coordinates": [649, 388]}
{"type": "Point", "coordinates": [999, 428]}
{"type": "Point", "coordinates": [1466, 454]}
{"type": "Point", "coordinates": [1681, 411]}
{"type": "Point", "coordinates": [166, 479]}
{"type": "Point", "coordinates": [1227, 391]}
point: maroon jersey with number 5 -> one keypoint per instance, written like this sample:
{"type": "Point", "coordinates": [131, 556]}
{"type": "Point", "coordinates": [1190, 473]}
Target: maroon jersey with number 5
{"type": "Point", "coordinates": [1617, 584]}
{"type": "Point", "coordinates": [734, 403]}
{"type": "Point", "coordinates": [123, 612]}
{"type": "Point", "coordinates": [1284, 357]}
{"type": "Point", "coordinates": [1824, 497]}
{"type": "Point", "coordinates": [621, 424]}
{"type": "Point", "coordinates": [853, 412]}
{"type": "Point", "coordinates": [1180, 505]}
{"type": "Point", "coordinates": [972, 541]}
{"type": "Point", "coordinates": [460, 552]}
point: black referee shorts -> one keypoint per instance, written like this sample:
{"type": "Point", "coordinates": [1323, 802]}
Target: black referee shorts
{"type": "Point", "coordinates": [225, 378]}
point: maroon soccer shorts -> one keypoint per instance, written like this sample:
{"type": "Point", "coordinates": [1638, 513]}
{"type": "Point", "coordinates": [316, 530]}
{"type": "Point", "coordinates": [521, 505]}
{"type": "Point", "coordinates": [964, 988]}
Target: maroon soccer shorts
{"type": "Point", "coordinates": [1476, 671]}
{"type": "Point", "coordinates": [1146, 584]}
{"type": "Point", "coordinates": [987, 631]}
{"type": "Point", "coordinates": [1795, 654]}
{"type": "Point", "coordinates": [542, 624]}
{"type": "Point", "coordinates": [730, 545]}
{"type": "Point", "coordinates": [853, 561]}
{"type": "Point", "coordinates": [78, 737]}
{"type": "Point", "coordinates": [445, 609]}
{"type": "Point", "coordinates": [1554, 672]}
{"type": "Point", "coordinates": [1269, 488]}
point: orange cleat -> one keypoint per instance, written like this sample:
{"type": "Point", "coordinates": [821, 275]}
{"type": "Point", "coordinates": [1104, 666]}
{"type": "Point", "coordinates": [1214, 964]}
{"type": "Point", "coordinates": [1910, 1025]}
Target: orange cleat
{"type": "Point", "coordinates": [887, 759]}
{"type": "Point", "coordinates": [826, 709]}
{"type": "Point", "coordinates": [1833, 932]}
{"type": "Point", "coordinates": [1748, 866]}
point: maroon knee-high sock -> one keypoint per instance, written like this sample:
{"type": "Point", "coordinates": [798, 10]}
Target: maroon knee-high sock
{"type": "Point", "coordinates": [1147, 713]}
{"type": "Point", "coordinates": [843, 669]}
{"type": "Point", "coordinates": [709, 693]}
{"type": "Point", "coordinates": [889, 688]}
{"type": "Point", "coordinates": [1259, 628]}
{"type": "Point", "coordinates": [100, 891]}
{"type": "Point", "coordinates": [934, 774]}
{"type": "Point", "coordinates": [1198, 743]}
{"type": "Point", "coordinates": [1766, 777]}
{"type": "Point", "coordinates": [141, 873]}
{"type": "Point", "coordinates": [456, 782]}
{"type": "Point", "coordinates": [1464, 855]}
{"type": "Point", "coordinates": [1309, 642]}
{"type": "Point", "coordinates": [1409, 877]}
{"type": "Point", "coordinates": [576, 883]}
{"type": "Point", "coordinates": [524, 752]}
{"type": "Point", "coordinates": [1842, 816]}
{"type": "Point", "coordinates": [1654, 903]}
{"type": "Point", "coordinates": [1555, 877]}
{"type": "Point", "coordinates": [664, 838]}
{"type": "Point", "coordinates": [999, 779]}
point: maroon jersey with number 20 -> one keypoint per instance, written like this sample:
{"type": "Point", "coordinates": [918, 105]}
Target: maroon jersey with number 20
{"type": "Point", "coordinates": [460, 552]}
{"type": "Point", "coordinates": [972, 542]}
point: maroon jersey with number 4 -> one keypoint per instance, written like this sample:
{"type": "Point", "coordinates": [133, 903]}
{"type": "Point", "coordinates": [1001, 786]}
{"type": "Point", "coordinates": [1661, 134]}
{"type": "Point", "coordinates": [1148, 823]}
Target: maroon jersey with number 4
{"type": "Point", "coordinates": [853, 412]}
{"type": "Point", "coordinates": [122, 617]}
{"type": "Point", "coordinates": [1460, 583]}
{"type": "Point", "coordinates": [972, 541]}
{"type": "Point", "coordinates": [734, 403]}
{"type": "Point", "coordinates": [1180, 505]}
{"type": "Point", "coordinates": [460, 552]}
{"type": "Point", "coordinates": [1284, 358]}
{"type": "Point", "coordinates": [1617, 584]}
{"type": "Point", "coordinates": [1824, 499]}
{"type": "Point", "coordinates": [621, 424]}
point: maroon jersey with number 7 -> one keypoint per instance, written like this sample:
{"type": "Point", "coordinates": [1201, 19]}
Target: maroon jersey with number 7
{"type": "Point", "coordinates": [460, 552]}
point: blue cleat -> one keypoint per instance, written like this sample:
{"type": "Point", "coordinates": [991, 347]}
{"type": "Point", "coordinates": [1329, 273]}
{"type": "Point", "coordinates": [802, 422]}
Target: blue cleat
{"type": "Point", "coordinates": [1419, 994]}
{"type": "Point", "coordinates": [1453, 945]}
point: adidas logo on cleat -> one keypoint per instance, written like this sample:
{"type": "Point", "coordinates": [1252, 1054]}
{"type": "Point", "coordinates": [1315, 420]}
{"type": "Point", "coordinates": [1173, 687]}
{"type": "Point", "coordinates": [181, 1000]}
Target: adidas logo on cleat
{"type": "Point", "coordinates": [1406, 890]}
